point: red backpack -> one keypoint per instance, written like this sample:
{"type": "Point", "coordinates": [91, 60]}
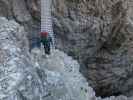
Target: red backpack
{"type": "Point", "coordinates": [44, 34]}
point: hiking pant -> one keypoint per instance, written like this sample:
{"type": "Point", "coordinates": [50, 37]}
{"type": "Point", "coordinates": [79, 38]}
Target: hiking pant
{"type": "Point", "coordinates": [47, 48]}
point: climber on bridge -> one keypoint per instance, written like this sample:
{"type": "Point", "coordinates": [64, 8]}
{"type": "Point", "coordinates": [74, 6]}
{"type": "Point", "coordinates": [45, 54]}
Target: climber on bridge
{"type": "Point", "coordinates": [46, 40]}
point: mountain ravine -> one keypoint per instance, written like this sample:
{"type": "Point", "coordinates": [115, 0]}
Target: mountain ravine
{"type": "Point", "coordinates": [96, 33]}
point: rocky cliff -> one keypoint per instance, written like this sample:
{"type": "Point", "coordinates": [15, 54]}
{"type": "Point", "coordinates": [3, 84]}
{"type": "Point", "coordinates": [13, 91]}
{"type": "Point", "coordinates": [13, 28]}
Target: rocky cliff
{"type": "Point", "coordinates": [33, 76]}
{"type": "Point", "coordinates": [26, 76]}
{"type": "Point", "coordinates": [97, 33]}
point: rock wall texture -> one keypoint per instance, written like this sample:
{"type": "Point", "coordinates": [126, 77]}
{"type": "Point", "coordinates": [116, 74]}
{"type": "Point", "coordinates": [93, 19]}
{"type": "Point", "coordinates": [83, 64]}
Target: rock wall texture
{"type": "Point", "coordinates": [26, 76]}
{"type": "Point", "coordinates": [33, 76]}
{"type": "Point", "coordinates": [98, 33]}
{"type": "Point", "coordinates": [27, 13]}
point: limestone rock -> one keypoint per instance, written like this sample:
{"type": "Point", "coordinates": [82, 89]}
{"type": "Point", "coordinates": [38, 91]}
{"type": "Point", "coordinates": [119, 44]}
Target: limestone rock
{"type": "Point", "coordinates": [95, 32]}
{"type": "Point", "coordinates": [24, 77]}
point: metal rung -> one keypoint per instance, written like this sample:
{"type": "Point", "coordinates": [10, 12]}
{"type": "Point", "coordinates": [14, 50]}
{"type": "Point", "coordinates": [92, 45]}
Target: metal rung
{"type": "Point", "coordinates": [46, 18]}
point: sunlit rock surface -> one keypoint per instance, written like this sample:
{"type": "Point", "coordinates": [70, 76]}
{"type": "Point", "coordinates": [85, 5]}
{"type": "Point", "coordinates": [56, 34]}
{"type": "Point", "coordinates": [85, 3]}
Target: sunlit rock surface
{"type": "Point", "coordinates": [97, 33]}
{"type": "Point", "coordinates": [35, 76]}
{"type": "Point", "coordinates": [26, 76]}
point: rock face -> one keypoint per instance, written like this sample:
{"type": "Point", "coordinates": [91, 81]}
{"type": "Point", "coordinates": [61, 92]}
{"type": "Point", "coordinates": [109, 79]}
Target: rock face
{"type": "Point", "coordinates": [27, 13]}
{"type": "Point", "coordinates": [97, 33]}
{"type": "Point", "coordinates": [26, 76]}
{"type": "Point", "coordinates": [11, 63]}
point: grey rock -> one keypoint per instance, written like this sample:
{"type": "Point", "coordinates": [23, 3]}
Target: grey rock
{"type": "Point", "coordinates": [88, 31]}
{"type": "Point", "coordinates": [26, 77]}
{"type": "Point", "coordinates": [20, 12]}
{"type": "Point", "coordinates": [95, 34]}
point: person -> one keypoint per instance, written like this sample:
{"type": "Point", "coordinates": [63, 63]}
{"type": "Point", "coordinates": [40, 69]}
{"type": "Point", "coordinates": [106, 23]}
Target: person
{"type": "Point", "coordinates": [46, 40]}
